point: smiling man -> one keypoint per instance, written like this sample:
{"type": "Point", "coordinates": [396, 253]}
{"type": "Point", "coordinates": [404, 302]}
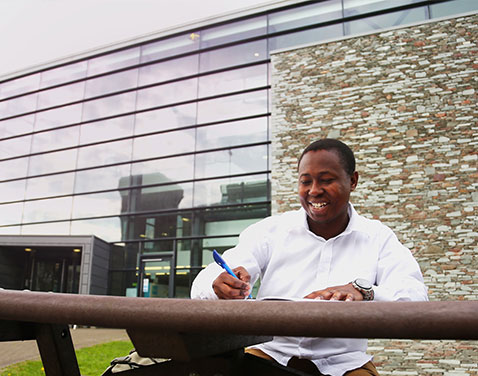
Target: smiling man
{"type": "Point", "coordinates": [323, 251]}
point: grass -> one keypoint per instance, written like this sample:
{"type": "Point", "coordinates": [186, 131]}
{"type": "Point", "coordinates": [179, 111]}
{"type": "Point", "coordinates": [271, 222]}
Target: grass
{"type": "Point", "coordinates": [91, 360]}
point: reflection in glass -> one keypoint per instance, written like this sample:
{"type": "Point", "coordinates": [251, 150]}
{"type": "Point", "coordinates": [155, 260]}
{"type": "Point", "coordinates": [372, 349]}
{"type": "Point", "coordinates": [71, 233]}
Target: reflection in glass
{"type": "Point", "coordinates": [19, 85]}
{"type": "Point", "coordinates": [232, 161]}
{"type": "Point", "coordinates": [167, 94]}
{"type": "Point", "coordinates": [96, 205]}
{"type": "Point", "coordinates": [167, 70]}
{"type": "Point", "coordinates": [111, 83]}
{"type": "Point", "coordinates": [234, 106]}
{"type": "Point", "coordinates": [100, 178]}
{"type": "Point", "coordinates": [162, 144]}
{"type": "Point", "coordinates": [176, 169]}
{"type": "Point", "coordinates": [17, 106]}
{"type": "Point", "coordinates": [53, 185]}
{"type": "Point", "coordinates": [15, 126]}
{"type": "Point", "coordinates": [104, 154]}
{"type": "Point", "coordinates": [354, 7]}
{"type": "Point", "coordinates": [306, 36]}
{"type": "Point", "coordinates": [12, 191]}
{"type": "Point", "coordinates": [57, 228]}
{"type": "Point", "coordinates": [385, 20]}
{"type": "Point", "coordinates": [232, 56]}
{"type": "Point", "coordinates": [165, 118]}
{"type": "Point", "coordinates": [107, 129]}
{"type": "Point", "coordinates": [58, 116]}
{"type": "Point", "coordinates": [11, 213]}
{"type": "Point", "coordinates": [14, 168]}
{"type": "Point", "coordinates": [57, 139]}
{"type": "Point", "coordinates": [170, 47]}
{"type": "Point", "coordinates": [47, 210]}
{"type": "Point", "coordinates": [63, 74]}
{"type": "Point", "coordinates": [112, 61]}
{"type": "Point", "coordinates": [52, 162]}
{"type": "Point", "coordinates": [452, 7]}
{"type": "Point", "coordinates": [232, 133]}
{"type": "Point", "coordinates": [113, 105]}
{"type": "Point", "coordinates": [305, 15]}
{"type": "Point", "coordinates": [13, 230]}
{"type": "Point", "coordinates": [108, 229]}
{"type": "Point", "coordinates": [122, 283]}
{"type": "Point", "coordinates": [61, 95]}
{"type": "Point", "coordinates": [15, 146]}
{"type": "Point", "coordinates": [233, 80]}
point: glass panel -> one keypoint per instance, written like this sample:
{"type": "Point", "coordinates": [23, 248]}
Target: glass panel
{"type": "Point", "coordinates": [167, 94]}
{"type": "Point", "coordinates": [305, 15]}
{"type": "Point", "coordinates": [168, 70]}
{"type": "Point", "coordinates": [233, 80]}
{"type": "Point", "coordinates": [107, 129]}
{"type": "Point", "coordinates": [14, 168]}
{"type": "Point", "coordinates": [233, 161]}
{"type": "Point", "coordinates": [58, 116]}
{"type": "Point", "coordinates": [452, 7]}
{"type": "Point", "coordinates": [101, 178]}
{"type": "Point", "coordinates": [155, 283]}
{"type": "Point", "coordinates": [52, 162]}
{"type": "Point", "coordinates": [19, 125]}
{"type": "Point", "coordinates": [57, 139]}
{"type": "Point", "coordinates": [231, 191]}
{"type": "Point", "coordinates": [11, 213]}
{"type": "Point", "coordinates": [385, 20]}
{"type": "Point", "coordinates": [165, 118]}
{"type": "Point", "coordinates": [12, 191]}
{"type": "Point", "coordinates": [96, 205]}
{"type": "Point", "coordinates": [108, 229]}
{"type": "Point", "coordinates": [163, 144]}
{"type": "Point", "coordinates": [306, 36]}
{"type": "Point", "coordinates": [170, 47]}
{"type": "Point", "coordinates": [55, 228]}
{"type": "Point", "coordinates": [354, 7]}
{"type": "Point", "coordinates": [15, 146]}
{"type": "Point", "coordinates": [19, 86]}
{"type": "Point", "coordinates": [116, 104]}
{"type": "Point", "coordinates": [112, 61]}
{"type": "Point", "coordinates": [174, 169]}
{"type": "Point", "coordinates": [111, 83]}
{"type": "Point", "coordinates": [234, 106]}
{"type": "Point", "coordinates": [66, 73]}
{"type": "Point", "coordinates": [61, 95]}
{"type": "Point", "coordinates": [233, 32]}
{"type": "Point", "coordinates": [233, 133]}
{"type": "Point", "coordinates": [17, 106]}
{"type": "Point", "coordinates": [123, 283]}
{"type": "Point", "coordinates": [47, 210]}
{"type": "Point", "coordinates": [54, 185]}
{"type": "Point", "coordinates": [104, 154]}
{"type": "Point", "coordinates": [14, 230]}
{"type": "Point", "coordinates": [232, 56]}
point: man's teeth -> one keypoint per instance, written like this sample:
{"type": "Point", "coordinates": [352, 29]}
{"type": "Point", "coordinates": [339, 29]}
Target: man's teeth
{"type": "Point", "coordinates": [318, 205]}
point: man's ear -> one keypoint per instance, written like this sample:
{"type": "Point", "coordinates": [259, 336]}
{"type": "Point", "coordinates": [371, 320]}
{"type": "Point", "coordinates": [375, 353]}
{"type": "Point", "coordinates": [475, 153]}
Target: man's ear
{"type": "Point", "coordinates": [354, 180]}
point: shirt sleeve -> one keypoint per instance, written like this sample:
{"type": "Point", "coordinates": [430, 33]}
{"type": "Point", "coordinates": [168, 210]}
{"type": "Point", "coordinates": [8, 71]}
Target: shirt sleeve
{"type": "Point", "coordinates": [398, 274]}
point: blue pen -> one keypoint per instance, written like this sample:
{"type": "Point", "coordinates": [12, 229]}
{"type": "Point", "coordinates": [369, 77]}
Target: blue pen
{"type": "Point", "coordinates": [220, 261]}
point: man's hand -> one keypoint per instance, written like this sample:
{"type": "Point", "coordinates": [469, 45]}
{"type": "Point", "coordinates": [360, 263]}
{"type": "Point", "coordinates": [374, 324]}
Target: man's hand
{"type": "Point", "coordinates": [227, 287]}
{"type": "Point", "coordinates": [345, 292]}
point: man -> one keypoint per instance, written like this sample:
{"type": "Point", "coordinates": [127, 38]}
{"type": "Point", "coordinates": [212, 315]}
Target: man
{"type": "Point", "coordinates": [325, 251]}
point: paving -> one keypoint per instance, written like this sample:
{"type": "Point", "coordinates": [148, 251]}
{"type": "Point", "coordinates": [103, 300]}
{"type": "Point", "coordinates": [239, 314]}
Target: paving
{"type": "Point", "coordinates": [19, 351]}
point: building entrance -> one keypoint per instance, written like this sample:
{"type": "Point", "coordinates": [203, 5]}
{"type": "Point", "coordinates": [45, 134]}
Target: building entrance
{"type": "Point", "coordinates": [156, 276]}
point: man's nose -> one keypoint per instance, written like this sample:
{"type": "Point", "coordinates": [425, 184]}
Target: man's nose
{"type": "Point", "coordinates": [316, 189]}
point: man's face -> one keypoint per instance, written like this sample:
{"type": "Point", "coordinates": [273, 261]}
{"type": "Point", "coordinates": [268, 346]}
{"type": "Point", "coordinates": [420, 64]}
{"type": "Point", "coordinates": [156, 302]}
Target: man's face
{"type": "Point", "coordinates": [324, 191]}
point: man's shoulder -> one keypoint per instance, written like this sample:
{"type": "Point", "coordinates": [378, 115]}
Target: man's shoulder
{"type": "Point", "coordinates": [371, 226]}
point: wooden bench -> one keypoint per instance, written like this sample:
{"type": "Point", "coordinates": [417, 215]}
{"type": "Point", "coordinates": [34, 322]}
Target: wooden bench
{"type": "Point", "coordinates": [207, 337]}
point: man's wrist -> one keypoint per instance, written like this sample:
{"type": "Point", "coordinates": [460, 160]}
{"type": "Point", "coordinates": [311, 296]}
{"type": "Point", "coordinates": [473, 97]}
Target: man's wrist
{"type": "Point", "coordinates": [364, 287]}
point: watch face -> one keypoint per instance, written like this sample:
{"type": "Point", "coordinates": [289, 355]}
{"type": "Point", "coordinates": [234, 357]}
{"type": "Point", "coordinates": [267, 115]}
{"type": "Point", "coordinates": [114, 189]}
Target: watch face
{"type": "Point", "coordinates": [363, 283]}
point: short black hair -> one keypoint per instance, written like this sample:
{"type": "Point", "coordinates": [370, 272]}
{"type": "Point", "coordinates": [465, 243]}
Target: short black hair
{"type": "Point", "coordinates": [345, 154]}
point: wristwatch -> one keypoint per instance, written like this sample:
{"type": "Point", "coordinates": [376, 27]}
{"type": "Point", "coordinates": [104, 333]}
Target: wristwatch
{"type": "Point", "coordinates": [365, 288]}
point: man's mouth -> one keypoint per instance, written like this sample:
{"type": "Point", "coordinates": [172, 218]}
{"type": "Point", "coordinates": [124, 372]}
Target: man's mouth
{"type": "Point", "coordinates": [318, 205]}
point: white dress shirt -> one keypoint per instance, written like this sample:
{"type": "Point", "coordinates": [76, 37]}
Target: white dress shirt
{"type": "Point", "coordinates": [292, 262]}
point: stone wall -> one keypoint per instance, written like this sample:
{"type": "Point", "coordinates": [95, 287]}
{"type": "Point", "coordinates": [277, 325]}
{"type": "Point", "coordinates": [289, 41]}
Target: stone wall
{"type": "Point", "coordinates": [406, 102]}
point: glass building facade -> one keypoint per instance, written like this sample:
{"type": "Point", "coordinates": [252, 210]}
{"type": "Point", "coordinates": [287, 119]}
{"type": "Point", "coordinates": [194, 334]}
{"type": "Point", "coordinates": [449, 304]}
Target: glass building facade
{"type": "Point", "coordinates": [161, 148]}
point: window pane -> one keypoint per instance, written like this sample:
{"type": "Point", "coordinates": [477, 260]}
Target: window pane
{"type": "Point", "coordinates": [168, 70]}
{"type": "Point", "coordinates": [52, 162]}
{"type": "Point", "coordinates": [56, 228]}
{"type": "Point", "coordinates": [233, 133]}
{"type": "Point", "coordinates": [233, 80]}
{"type": "Point", "coordinates": [58, 116]}
{"type": "Point", "coordinates": [19, 86]}
{"type": "Point", "coordinates": [57, 139]}
{"type": "Point", "coordinates": [101, 178]}
{"type": "Point", "coordinates": [19, 125]}
{"type": "Point", "coordinates": [103, 130]}
{"type": "Point", "coordinates": [165, 118]}
{"type": "Point", "coordinates": [17, 106]}
{"type": "Point", "coordinates": [15, 146]}
{"type": "Point", "coordinates": [452, 7]}
{"type": "Point", "coordinates": [12, 191]}
{"type": "Point", "coordinates": [14, 230]}
{"type": "Point", "coordinates": [169, 47]}
{"type": "Point", "coordinates": [111, 83]}
{"type": "Point", "coordinates": [96, 205]}
{"type": "Point", "coordinates": [103, 154]}
{"type": "Point", "coordinates": [164, 144]}
{"type": "Point", "coordinates": [233, 161]}
{"type": "Point", "coordinates": [233, 32]}
{"type": "Point", "coordinates": [234, 106]}
{"type": "Point", "coordinates": [306, 36]}
{"type": "Point", "coordinates": [385, 20]}
{"type": "Point", "coordinates": [47, 210]}
{"type": "Point", "coordinates": [167, 94]}
{"type": "Point", "coordinates": [305, 15]}
{"type": "Point", "coordinates": [66, 73]}
{"type": "Point", "coordinates": [354, 7]}
{"type": "Point", "coordinates": [50, 186]}
{"type": "Point", "coordinates": [113, 61]}
{"type": "Point", "coordinates": [11, 213]}
{"type": "Point", "coordinates": [116, 104]}
{"type": "Point", "coordinates": [174, 169]}
{"type": "Point", "coordinates": [231, 56]}
{"type": "Point", "coordinates": [61, 95]}
{"type": "Point", "coordinates": [14, 168]}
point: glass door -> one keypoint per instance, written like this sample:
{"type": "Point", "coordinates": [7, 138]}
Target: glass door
{"type": "Point", "coordinates": [156, 276]}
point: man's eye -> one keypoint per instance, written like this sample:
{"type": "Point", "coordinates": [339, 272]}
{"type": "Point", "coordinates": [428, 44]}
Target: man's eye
{"type": "Point", "coordinates": [305, 182]}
